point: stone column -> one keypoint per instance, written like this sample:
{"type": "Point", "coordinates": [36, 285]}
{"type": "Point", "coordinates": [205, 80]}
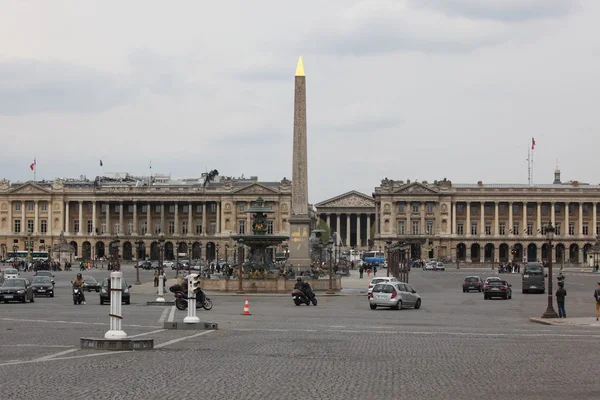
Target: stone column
{"type": "Point", "coordinates": [218, 227]}
{"type": "Point", "coordinates": [121, 227]}
{"type": "Point", "coordinates": [176, 231]}
{"type": "Point", "coordinates": [204, 230]}
{"type": "Point", "coordinates": [566, 228]}
{"type": "Point", "coordinates": [594, 219]}
{"type": "Point", "coordinates": [422, 212]}
{"type": "Point", "coordinates": [190, 219]}
{"type": "Point", "coordinates": [482, 223]}
{"type": "Point", "coordinates": [135, 220]}
{"type": "Point", "coordinates": [67, 218]}
{"type": "Point", "coordinates": [376, 219]}
{"type": "Point", "coordinates": [580, 222]}
{"type": "Point", "coordinates": [408, 227]}
{"type": "Point", "coordinates": [62, 218]}
{"type": "Point", "coordinates": [368, 228]}
{"type": "Point", "coordinates": [328, 221]}
{"type": "Point", "coordinates": [347, 230]}
{"type": "Point", "coordinates": [539, 218]}
{"type": "Point", "coordinates": [496, 224]}
{"type": "Point", "coordinates": [338, 225]}
{"type": "Point", "coordinates": [552, 214]}
{"type": "Point", "coordinates": [108, 227]}
{"type": "Point", "coordinates": [35, 217]}
{"type": "Point", "coordinates": [23, 220]}
{"type": "Point", "coordinates": [358, 230]}
{"type": "Point", "coordinates": [162, 217]}
{"type": "Point", "coordinates": [394, 230]}
{"type": "Point", "coordinates": [148, 219]}
{"type": "Point", "coordinates": [49, 225]}
{"type": "Point", "coordinates": [468, 227]}
{"type": "Point", "coordinates": [453, 218]}
{"type": "Point", "coordinates": [94, 218]}
{"type": "Point", "coordinates": [248, 219]}
{"type": "Point", "coordinates": [80, 231]}
{"type": "Point", "coordinates": [10, 218]}
{"type": "Point", "coordinates": [510, 217]}
{"type": "Point", "coordinates": [525, 217]}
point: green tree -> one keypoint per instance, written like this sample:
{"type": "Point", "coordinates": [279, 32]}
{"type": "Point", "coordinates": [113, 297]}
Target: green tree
{"type": "Point", "coordinates": [325, 235]}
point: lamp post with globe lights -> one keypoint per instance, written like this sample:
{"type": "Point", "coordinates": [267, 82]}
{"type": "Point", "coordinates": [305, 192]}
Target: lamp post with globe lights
{"type": "Point", "coordinates": [330, 251]}
{"type": "Point", "coordinates": [550, 313]}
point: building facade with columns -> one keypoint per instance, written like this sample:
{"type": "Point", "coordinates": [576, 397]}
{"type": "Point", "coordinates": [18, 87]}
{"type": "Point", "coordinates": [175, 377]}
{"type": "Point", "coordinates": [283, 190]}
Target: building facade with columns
{"type": "Point", "coordinates": [352, 216]}
{"type": "Point", "coordinates": [488, 222]}
{"type": "Point", "coordinates": [91, 214]}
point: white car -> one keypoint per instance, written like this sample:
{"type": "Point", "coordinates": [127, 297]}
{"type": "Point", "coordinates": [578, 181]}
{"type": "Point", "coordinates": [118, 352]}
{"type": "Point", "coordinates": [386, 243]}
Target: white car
{"type": "Point", "coordinates": [11, 273]}
{"type": "Point", "coordinates": [168, 264]}
{"type": "Point", "coordinates": [375, 281]}
{"type": "Point", "coordinates": [429, 267]}
{"type": "Point", "coordinates": [440, 266]}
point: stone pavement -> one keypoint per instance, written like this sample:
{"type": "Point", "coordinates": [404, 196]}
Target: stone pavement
{"type": "Point", "coordinates": [581, 321]}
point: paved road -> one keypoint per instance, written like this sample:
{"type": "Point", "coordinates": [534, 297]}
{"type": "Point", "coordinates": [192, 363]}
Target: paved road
{"type": "Point", "coordinates": [457, 346]}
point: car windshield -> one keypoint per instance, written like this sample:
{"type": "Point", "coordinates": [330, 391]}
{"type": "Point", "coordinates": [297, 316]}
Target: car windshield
{"type": "Point", "coordinates": [498, 283]}
{"type": "Point", "coordinates": [42, 279]}
{"type": "Point", "coordinates": [375, 281]}
{"type": "Point", "coordinates": [124, 284]}
{"type": "Point", "coordinates": [10, 271]}
{"type": "Point", "coordinates": [14, 283]}
{"type": "Point", "coordinates": [44, 273]}
{"type": "Point", "coordinates": [383, 288]}
{"type": "Point", "coordinates": [472, 279]}
{"type": "Point", "coordinates": [534, 270]}
{"type": "Point", "coordinates": [89, 279]}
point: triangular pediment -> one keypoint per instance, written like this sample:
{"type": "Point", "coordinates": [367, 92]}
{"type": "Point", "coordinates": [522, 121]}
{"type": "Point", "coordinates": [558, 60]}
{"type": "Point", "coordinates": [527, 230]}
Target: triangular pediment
{"type": "Point", "coordinates": [349, 199]}
{"type": "Point", "coordinates": [415, 188]}
{"type": "Point", "coordinates": [29, 188]}
{"type": "Point", "coordinates": [256, 188]}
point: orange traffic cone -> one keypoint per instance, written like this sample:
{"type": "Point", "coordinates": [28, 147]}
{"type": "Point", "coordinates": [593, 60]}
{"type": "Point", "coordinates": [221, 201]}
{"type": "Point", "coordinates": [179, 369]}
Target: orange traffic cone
{"type": "Point", "coordinates": [246, 308]}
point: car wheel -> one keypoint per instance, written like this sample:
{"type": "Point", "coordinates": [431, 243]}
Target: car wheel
{"type": "Point", "coordinates": [543, 291]}
{"type": "Point", "coordinates": [32, 299]}
{"type": "Point", "coordinates": [398, 305]}
{"type": "Point", "coordinates": [510, 296]}
{"type": "Point", "coordinates": [373, 306]}
{"type": "Point", "coordinates": [464, 291]}
{"type": "Point", "coordinates": [127, 301]}
{"type": "Point", "coordinates": [52, 295]}
{"type": "Point", "coordinates": [485, 297]}
{"type": "Point", "coordinates": [24, 299]}
{"type": "Point", "coordinates": [418, 304]}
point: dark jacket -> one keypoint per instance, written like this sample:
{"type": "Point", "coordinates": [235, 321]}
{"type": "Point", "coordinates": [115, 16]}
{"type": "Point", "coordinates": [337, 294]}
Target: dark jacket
{"type": "Point", "coordinates": [561, 293]}
{"type": "Point", "coordinates": [597, 294]}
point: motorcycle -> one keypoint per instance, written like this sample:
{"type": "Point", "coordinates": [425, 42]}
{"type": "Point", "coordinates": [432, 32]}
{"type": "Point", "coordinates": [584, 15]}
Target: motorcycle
{"type": "Point", "coordinates": [181, 299]}
{"type": "Point", "coordinates": [77, 295]}
{"type": "Point", "coordinates": [300, 297]}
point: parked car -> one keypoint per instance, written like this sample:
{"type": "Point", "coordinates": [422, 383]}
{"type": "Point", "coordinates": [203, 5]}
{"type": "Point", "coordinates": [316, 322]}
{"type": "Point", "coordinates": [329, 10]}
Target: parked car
{"type": "Point", "coordinates": [18, 289]}
{"type": "Point", "coordinates": [497, 288]}
{"type": "Point", "coordinates": [396, 295]}
{"type": "Point", "coordinates": [472, 283]}
{"type": "Point", "coordinates": [375, 281]}
{"type": "Point", "coordinates": [105, 296]}
{"type": "Point", "coordinates": [43, 286]}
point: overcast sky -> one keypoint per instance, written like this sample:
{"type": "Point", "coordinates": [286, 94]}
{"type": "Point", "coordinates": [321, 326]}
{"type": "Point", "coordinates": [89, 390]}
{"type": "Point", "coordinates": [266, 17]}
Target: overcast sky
{"type": "Point", "coordinates": [404, 89]}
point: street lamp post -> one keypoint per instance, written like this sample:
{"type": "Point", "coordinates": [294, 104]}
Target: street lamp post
{"type": "Point", "coordinates": [550, 313]}
{"type": "Point", "coordinates": [139, 244]}
{"type": "Point", "coordinates": [217, 257]}
{"type": "Point", "coordinates": [189, 249]}
{"type": "Point", "coordinates": [388, 245]}
{"type": "Point", "coordinates": [161, 252]}
{"type": "Point", "coordinates": [240, 266]}
{"type": "Point", "coordinates": [330, 251]}
{"type": "Point", "coordinates": [115, 244]}
{"type": "Point", "coordinates": [226, 253]}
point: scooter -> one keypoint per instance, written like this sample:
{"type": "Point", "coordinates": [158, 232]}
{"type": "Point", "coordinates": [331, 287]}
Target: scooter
{"type": "Point", "coordinates": [181, 300]}
{"type": "Point", "coordinates": [77, 295]}
{"type": "Point", "coordinates": [300, 297]}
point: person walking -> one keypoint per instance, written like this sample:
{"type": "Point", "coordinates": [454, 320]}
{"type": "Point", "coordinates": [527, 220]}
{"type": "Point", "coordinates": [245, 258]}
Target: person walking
{"type": "Point", "coordinates": [360, 271]}
{"type": "Point", "coordinates": [561, 293]}
{"type": "Point", "coordinates": [597, 298]}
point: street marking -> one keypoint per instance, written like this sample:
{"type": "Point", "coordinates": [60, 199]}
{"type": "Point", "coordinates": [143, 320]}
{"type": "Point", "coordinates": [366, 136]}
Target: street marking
{"type": "Point", "coordinates": [72, 322]}
{"type": "Point", "coordinates": [113, 353]}
{"type": "Point", "coordinates": [144, 334]}
{"type": "Point", "coordinates": [62, 346]}
{"type": "Point", "coordinates": [61, 353]}
{"type": "Point", "coordinates": [163, 316]}
{"type": "Point", "coordinates": [172, 314]}
{"type": "Point", "coordinates": [170, 342]}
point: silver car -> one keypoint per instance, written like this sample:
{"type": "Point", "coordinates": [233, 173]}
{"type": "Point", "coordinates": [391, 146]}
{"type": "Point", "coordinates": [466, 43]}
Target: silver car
{"type": "Point", "coordinates": [396, 295]}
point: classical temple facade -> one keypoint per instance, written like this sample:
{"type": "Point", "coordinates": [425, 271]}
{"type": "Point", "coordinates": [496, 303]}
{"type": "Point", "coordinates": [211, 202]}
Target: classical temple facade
{"type": "Point", "coordinates": [139, 212]}
{"type": "Point", "coordinates": [488, 222]}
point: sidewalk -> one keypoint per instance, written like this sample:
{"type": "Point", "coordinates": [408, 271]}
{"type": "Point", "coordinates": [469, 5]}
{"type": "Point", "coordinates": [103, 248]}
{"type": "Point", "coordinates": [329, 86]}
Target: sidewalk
{"type": "Point", "coordinates": [582, 321]}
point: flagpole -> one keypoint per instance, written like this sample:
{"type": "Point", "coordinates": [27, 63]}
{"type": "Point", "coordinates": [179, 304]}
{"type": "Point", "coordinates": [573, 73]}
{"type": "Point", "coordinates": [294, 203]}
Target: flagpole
{"type": "Point", "coordinates": [528, 165]}
{"type": "Point", "coordinates": [532, 150]}
{"type": "Point", "coordinates": [34, 168]}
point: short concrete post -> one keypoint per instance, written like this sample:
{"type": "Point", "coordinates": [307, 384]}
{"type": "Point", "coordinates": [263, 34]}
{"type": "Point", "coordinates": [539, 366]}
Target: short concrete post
{"type": "Point", "coordinates": [191, 315]}
{"type": "Point", "coordinates": [116, 296]}
{"type": "Point", "coordinates": [161, 279]}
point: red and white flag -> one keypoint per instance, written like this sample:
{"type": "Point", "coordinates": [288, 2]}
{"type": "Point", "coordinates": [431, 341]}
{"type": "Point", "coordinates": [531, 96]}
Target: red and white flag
{"type": "Point", "coordinates": [32, 166]}
{"type": "Point", "coordinates": [532, 143]}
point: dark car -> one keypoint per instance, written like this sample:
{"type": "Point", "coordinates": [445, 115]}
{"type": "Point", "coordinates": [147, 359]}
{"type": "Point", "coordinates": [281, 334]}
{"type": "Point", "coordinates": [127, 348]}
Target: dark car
{"type": "Point", "coordinates": [43, 286]}
{"type": "Point", "coordinates": [105, 296]}
{"type": "Point", "coordinates": [497, 289]}
{"type": "Point", "coordinates": [533, 279]}
{"type": "Point", "coordinates": [44, 273]}
{"type": "Point", "coordinates": [145, 264]}
{"type": "Point", "coordinates": [91, 283]}
{"type": "Point", "coordinates": [472, 283]}
{"type": "Point", "coordinates": [16, 290]}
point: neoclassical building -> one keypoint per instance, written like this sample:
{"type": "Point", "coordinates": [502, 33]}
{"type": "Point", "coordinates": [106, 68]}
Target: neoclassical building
{"type": "Point", "coordinates": [488, 222]}
{"type": "Point", "coordinates": [92, 214]}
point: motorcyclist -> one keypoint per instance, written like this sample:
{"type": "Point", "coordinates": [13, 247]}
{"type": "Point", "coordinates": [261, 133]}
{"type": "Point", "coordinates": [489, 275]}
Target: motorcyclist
{"type": "Point", "coordinates": [79, 282]}
{"type": "Point", "coordinates": [304, 287]}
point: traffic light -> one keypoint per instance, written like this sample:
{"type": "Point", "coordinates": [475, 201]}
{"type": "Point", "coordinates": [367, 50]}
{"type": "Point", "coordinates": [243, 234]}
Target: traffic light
{"type": "Point", "coordinates": [194, 282]}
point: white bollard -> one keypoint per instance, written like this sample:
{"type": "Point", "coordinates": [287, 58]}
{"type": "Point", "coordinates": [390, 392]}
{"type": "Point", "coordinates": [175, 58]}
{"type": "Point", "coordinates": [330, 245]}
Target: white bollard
{"type": "Point", "coordinates": [191, 315]}
{"type": "Point", "coordinates": [160, 298]}
{"type": "Point", "coordinates": [116, 296]}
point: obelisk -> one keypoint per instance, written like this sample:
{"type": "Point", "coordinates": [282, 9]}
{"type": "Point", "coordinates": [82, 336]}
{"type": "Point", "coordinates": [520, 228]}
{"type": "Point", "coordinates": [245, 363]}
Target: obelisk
{"type": "Point", "coordinates": [300, 219]}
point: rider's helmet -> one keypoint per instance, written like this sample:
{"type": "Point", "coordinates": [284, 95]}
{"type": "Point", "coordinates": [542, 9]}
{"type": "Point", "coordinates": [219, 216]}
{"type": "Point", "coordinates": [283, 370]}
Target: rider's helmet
{"type": "Point", "coordinates": [78, 276]}
{"type": "Point", "coordinates": [298, 279]}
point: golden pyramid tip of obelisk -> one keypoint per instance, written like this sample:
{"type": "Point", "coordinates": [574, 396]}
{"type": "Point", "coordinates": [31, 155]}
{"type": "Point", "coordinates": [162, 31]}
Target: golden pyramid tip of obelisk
{"type": "Point", "coordinates": [300, 67]}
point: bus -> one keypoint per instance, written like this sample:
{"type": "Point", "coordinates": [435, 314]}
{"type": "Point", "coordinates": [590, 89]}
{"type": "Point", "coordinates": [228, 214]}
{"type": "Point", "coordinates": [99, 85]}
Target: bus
{"type": "Point", "coordinates": [374, 257]}
{"type": "Point", "coordinates": [22, 255]}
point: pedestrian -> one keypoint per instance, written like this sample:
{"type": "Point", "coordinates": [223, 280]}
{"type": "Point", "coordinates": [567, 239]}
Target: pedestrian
{"type": "Point", "coordinates": [375, 270]}
{"type": "Point", "coordinates": [155, 278]}
{"type": "Point", "coordinates": [561, 293]}
{"type": "Point", "coordinates": [360, 271]}
{"type": "Point", "coordinates": [597, 297]}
